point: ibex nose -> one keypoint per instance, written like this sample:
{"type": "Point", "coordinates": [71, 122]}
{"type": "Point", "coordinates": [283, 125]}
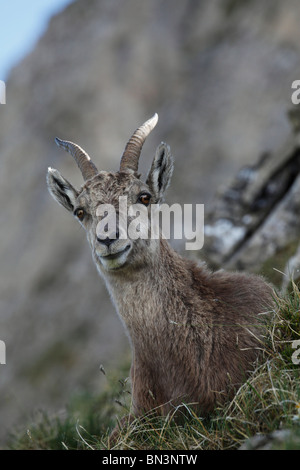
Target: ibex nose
{"type": "Point", "coordinates": [109, 239]}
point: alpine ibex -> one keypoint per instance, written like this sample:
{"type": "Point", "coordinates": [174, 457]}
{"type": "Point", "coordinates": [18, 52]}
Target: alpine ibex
{"type": "Point", "coordinates": [194, 333]}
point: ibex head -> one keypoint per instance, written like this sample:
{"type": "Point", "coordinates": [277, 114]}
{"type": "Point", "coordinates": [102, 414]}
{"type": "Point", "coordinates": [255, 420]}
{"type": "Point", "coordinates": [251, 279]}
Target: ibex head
{"type": "Point", "coordinates": [111, 244]}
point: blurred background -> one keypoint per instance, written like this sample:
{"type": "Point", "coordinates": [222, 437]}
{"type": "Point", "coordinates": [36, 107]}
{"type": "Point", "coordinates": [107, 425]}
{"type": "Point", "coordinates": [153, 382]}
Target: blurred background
{"type": "Point", "coordinates": [218, 73]}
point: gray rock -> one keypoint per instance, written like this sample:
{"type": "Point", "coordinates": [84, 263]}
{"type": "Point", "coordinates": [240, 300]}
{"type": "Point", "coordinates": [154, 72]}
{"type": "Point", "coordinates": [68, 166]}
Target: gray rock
{"type": "Point", "coordinates": [279, 439]}
{"type": "Point", "coordinates": [256, 217]}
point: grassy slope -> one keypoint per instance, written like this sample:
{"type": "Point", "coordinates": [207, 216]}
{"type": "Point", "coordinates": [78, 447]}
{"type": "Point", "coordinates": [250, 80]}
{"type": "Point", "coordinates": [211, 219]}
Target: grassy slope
{"type": "Point", "coordinates": [268, 401]}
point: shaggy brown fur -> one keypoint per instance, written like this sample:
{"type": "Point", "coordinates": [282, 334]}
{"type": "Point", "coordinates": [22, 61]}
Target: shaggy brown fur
{"type": "Point", "coordinates": [194, 334]}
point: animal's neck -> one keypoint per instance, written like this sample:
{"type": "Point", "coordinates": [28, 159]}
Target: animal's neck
{"type": "Point", "coordinates": [144, 298]}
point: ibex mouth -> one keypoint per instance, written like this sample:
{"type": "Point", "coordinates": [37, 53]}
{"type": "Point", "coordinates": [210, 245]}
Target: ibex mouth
{"type": "Point", "coordinates": [116, 255]}
{"type": "Point", "coordinates": [114, 261]}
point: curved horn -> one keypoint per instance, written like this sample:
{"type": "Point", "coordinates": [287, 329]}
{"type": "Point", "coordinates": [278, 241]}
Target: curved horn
{"type": "Point", "coordinates": [82, 159]}
{"type": "Point", "coordinates": [132, 152]}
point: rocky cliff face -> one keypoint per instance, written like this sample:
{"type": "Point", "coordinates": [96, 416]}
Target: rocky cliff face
{"type": "Point", "coordinates": [219, 75]}
{"type": "Point", "coordinates": [254, 223]}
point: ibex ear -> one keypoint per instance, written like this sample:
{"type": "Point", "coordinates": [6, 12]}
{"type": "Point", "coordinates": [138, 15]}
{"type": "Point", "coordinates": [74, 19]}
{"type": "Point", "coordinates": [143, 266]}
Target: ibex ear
{"type": "Point", "coordinates": [61, 190]}
{"type": "Point", "coordinates": [160, 173]}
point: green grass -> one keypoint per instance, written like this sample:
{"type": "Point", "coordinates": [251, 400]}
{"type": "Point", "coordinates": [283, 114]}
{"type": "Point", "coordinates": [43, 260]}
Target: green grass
{"type": "Point", "coordinates": [268, 401]}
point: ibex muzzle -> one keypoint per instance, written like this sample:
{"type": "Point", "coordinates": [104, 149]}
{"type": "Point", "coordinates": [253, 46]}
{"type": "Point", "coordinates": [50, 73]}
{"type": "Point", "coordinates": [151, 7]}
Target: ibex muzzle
{"type": "Point", "coordinates": [111, 232]}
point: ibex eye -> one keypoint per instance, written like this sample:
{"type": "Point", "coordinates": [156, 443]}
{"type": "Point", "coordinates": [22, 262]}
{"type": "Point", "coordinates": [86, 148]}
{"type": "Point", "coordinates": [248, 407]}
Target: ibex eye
{"type": "Point", "coordinates": [145, 199]}
{"type": "Point", "coordinates": [79, 214]}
